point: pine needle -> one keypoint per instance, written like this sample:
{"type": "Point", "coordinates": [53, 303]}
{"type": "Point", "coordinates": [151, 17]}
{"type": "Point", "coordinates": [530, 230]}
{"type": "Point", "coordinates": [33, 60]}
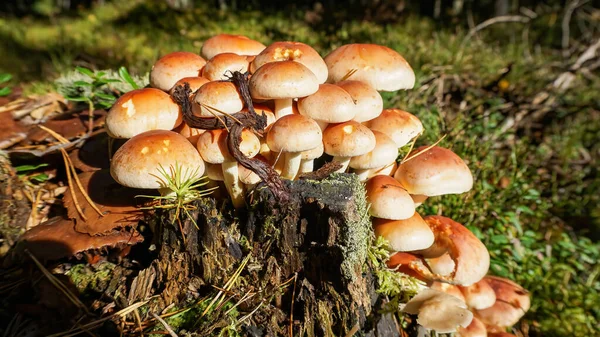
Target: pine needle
{"type": "Point", "coordinates": [167, 327]}
{"type": "Point", "coordinates": [227, 286]}
{"type": "Point", "coordinates": [55, 282]}
{"type": "Point", "coordinates": [407, 158]}
{"type": "Point", "coordinates": [95, 324]}
{"type": "Point", "coordinates": [349, 74]}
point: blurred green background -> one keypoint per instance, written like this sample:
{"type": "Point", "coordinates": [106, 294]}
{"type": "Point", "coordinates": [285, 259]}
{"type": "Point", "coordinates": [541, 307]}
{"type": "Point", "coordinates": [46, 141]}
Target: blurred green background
{"type": "Point", "coordinates": [487, 76]}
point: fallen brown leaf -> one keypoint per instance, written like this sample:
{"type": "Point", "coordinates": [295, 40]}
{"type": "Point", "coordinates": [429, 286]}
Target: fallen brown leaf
{"type": "Point", "coordinates": [57, 238]}
{"type": "Point", "coordinates": [117, 204]}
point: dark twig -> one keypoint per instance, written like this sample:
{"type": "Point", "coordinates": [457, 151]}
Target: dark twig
{"type": "Point", "coordinates": [236, 123]}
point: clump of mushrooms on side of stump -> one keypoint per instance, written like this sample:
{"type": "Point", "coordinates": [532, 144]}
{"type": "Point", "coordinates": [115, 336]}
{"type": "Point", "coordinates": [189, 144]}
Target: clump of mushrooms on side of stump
{"type": "Point", "coordinates": [252, 113]}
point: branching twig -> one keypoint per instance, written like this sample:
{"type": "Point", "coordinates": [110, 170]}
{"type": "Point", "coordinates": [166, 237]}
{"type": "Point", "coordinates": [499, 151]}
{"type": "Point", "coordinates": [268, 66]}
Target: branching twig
{"type": "Point", "coordinates": [492, 21]}
{"type": "Point", "coordinates": [236, 123]}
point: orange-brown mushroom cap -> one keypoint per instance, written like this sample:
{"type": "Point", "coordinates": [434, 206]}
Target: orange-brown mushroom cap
{"type": "Point", "coordinates": [228, 43]}
{"type": "Point", "coordinates": [512, 302]}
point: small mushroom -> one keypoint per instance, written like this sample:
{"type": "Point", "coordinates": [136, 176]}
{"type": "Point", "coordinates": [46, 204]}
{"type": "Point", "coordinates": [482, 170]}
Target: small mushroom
{"type": "Point", "coordinates": [475, 329]}
{"type": "Point", "coordinates": [437, 171]}
{"type": "Point", "coordinates": [292, 51]}
{"type": "Point", "coordinates": [512, 302]}
{"type": "Point", "coordinates": [174, 66]}
{"type": "Point", "coordinates": [330, 104]}
{"type": "Point", "coordinates": [382, 68]}
{"type": "Point", "coordinates": [217, 97]}
{"type": "Point", "coordinates": [479, 295]}
{"type": "Point", "coordinates": [228, 43]}
{"type": "Point", "coordinates": [282, 82]}
{"type": "Point", "coordinates": [346, 140]}
{"type": "Point", "coordinates": [138, 162]}
{"type": "Point", "coordinates": [142, 110]}
{"type": "Point", "coordinates": [369, 103]}
{"type": "Point", "coordinates": [438, 311]}
{"type": "Point", "coordinates": [383, 155]}
{"type": "Point", "coordinates": [222, 65]}
{"type": "Point", "coordinates": [399, 125]}
{"type": "Point", "coordinates": [389, 200]}
{"type": "Point", "coordinates": [404, 235]}
{"type": "Point", "coordinates": [291, 135]}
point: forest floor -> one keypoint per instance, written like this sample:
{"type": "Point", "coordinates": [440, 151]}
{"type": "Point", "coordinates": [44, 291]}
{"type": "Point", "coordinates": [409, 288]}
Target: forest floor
{"type": "Point", "coordinates": [533, 148]}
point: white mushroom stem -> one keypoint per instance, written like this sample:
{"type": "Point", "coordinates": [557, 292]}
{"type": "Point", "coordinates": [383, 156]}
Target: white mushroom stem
{"type": "Point", "coordinates": [233, 184]}
{"type": "Point", "coordinates": [283, 107]}
{"type": "Point", "coordinates": [306, 165]}
{"type": "Point", "coordinates": [345, 161]}
{"type": "Point", "coordinates": [292, 165]}
{"type": "Point", "coordinates": [322, 125]}
{"type": "Point", "coordinates": [166, 192]}
{"type": "Point", "coordinates": [364, 174]}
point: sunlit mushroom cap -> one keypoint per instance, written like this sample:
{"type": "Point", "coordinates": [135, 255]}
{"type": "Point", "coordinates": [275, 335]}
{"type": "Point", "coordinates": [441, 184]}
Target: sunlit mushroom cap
{"type": "Point", "coordinates": [212, 145]}
{"type": "Point", "coordinates": [281, 80]}
{"type": "Point", "coordinates": [438, 311]}
{"type": "Point", "coordinates": [404, 235]}
{"type": "Point", "coordinates": [221, 66]}
{"type": "Point", "coordinates": [475, 329]}
{"type": "Point", "coordinates": [449, 289]}
{"type": "Point", "coordinates": [389, 200]}
{"type": "Point", "coordinates": [384, 154]}
{"type": "Point", "coordinates": [470, 255]}
{"type": "Point", "coordinates": [479, 295]}
{"type": "Point", "coordinates": [369, 103]}
{"type": "Point", "coordinates": [142, 110]}
{"type": "Point", "coordinates": [399, 125]}
{"type": "Point", "coordinates": [512, 302]}
{"type": "Point", "coordinates": [217, 97]}
{"type": "Point", "coordinates": [227, 43]}
{"type": "Point", "coordinates": [293, 51]}
{"type": "Point", "coordinates": [174, 66]}
{"type": "Point", "coordinates": [294, 133]}
{"type": "Point", "coordinates": [194, 82]}
{"type": "Point", "coordinates": [330, 104]}
{"type": "Point", "coordinates": [348, 139]}
{"type": "Point", "coordinates": [379, 66]}
{"type": "Point", "coordinates": [436, 171]}
{"type": "Point", "coordinates": [138, 162]}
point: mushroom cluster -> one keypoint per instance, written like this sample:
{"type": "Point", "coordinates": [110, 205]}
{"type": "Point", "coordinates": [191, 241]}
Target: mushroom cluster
{"type": "Point", "coordinates": [315, 106]}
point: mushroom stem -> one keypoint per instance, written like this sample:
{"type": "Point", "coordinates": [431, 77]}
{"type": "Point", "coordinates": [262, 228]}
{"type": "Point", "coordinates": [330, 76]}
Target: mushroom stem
{"type": "Point", "coordinates": [306, 165]}
{"type": "Point", "coordinates": [232, 183]}
{"type": "Point", "coordinates": [283, 107]}
{"type": "Point", "coordinates": [292, 165]}
{"type": "Point", "coordinates": [345, 161]}
{"type": "Point", "coordinates": [418, 199]}
{"type": "Point", "coordinates": [363, 175]}
{"type": "Point", "coordinates": [322, 125]}
{"type": "Point", "coordinates": [166, 192]}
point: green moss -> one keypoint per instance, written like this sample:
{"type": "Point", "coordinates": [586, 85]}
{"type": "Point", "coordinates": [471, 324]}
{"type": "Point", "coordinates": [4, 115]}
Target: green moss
{"type": "Point", "coordinates": [88, 279]}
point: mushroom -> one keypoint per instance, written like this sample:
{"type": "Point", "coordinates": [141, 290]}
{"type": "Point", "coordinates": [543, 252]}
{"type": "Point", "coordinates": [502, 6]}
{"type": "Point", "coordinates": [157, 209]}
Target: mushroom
{"type": "Point", "coordinates": [192, 134]}
{"type": "Point", "coordinates": [404, 235]}
{"type": "Point", "coordinates": [222, 65]}
{"type": "Point", "coordinates": [194, 82]}
{"type": "Point", "coordinates": [438, 311]}
{"type": "Point", "coordinates": [379, 66]}
{"type": "Point", "coordinates": [386, 171]}
{"type": "Point", "coordinates": [212, 146]}
{"type": "Point", "coordinates": [228, 43]}
{"type": "Point", "coordinates": [441, 265]}
{"type": "Point", "coordinates": [475, 329]}
{"type": "Point", "coordinates": [471, 257]}
{"type": "Point", "coordinates": [138, 162]}
{"type": "Point", "coordinates": [479, 295]}
{"type": "Point", "coordinates": [449, 289]}
{"type": "Point", "coordinates": [399, 125]}
{"type": "Point", "coordinates": [346, 140]}
{"type": "Point", "coordinates": [217, 97]}
{"type": "Point", "coordinates": [436, 171]}
{"type": "Point", "coordinates": [369, 103]}
{"type": "Point", "coordinates": [291, 135]}
{"type": "Point", "coordinates": [383, 155]}
{"type": "Point", "coordinates": [142, 110]}
{"type": "Point", "coordinates": [512, 302]}
{"type": "Point", "coordinates": [307, 158]}
{"type": "Point", "coordinates": [292, 51]}
{"type": "Point", "coordinates": [330, 104]}
{"type": "Point", "coordinates": [174, 66]}
{"type": "Point", "coordinates": [389, 200]}
{"type": "Point", "coordinates": [282, 82]}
